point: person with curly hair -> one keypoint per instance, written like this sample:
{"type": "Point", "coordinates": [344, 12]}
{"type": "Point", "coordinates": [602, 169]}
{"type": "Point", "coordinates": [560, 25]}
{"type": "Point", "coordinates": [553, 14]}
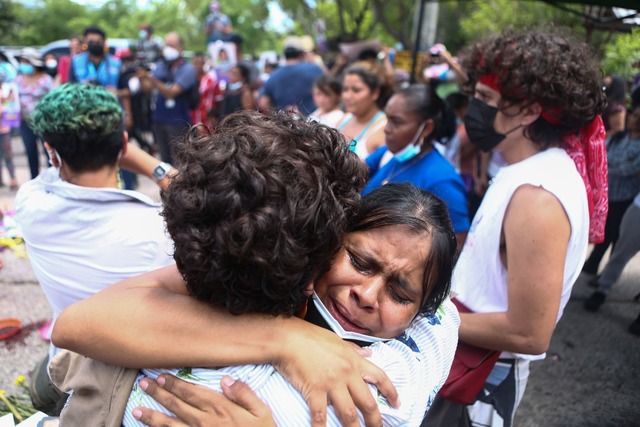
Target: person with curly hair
{"type": "Point", "coordinates": [290, 220]}
{"type": "Point", "coordinates": [537, 101]}
{"type": "Point", "coordinates": [82, 231]}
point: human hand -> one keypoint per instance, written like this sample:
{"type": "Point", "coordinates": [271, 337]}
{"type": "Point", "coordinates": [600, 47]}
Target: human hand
{"type": "Point", "coordinates": [194, 405]}
{"type": "Point", "coordinates": [327, 370]}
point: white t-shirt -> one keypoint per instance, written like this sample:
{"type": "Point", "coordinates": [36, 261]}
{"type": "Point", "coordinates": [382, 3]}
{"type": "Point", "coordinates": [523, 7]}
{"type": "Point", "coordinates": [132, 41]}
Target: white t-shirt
{"type": "Point", "coordinates": [81, 240]}
{"type": "Point", "coordinates": [417, 363]}
{"type": "Point", "coordinates": [330, 119]}
{"type": "Point", "coordinates": [479, 277]}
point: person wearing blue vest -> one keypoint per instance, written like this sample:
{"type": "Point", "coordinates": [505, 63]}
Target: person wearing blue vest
{"type": "Point", "coordinates": [171, 80]}
{"type": "Point", "coordinates": [98, 67]}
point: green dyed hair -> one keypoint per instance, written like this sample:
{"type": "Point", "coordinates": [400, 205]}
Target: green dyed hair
{"type": "Point", "coordinates": [75, 107]}
{"type": "Point", "coordinates": [83, 123]}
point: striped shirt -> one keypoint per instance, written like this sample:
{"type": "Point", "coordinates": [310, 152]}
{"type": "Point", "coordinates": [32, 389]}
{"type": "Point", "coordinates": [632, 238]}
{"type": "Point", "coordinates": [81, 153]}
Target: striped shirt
{"type": "Point", "coordinates": [417, 362]}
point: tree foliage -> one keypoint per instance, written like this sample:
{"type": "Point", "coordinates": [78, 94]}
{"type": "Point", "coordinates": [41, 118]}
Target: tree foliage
{"type": "Point", "coordinates": [622, 53]}
{"type": "Point", "coordinates": [491, 17]}
{"type": "Point", "coordinates": [48, 20]}
{"type": "Point", "coordinates": [460, 22]}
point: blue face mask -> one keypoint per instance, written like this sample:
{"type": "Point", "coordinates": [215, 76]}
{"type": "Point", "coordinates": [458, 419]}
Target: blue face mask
{"type": "Point", "coordinates": [412, 149]}
{"type": "Point", "coordinates": [26, 68]}
{"type": "Point", "coordinates": [142, 34]}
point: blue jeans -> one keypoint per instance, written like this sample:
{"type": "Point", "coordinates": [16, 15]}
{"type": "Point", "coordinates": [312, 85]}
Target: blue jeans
{"type": "Point", "coordinates": [30, 140]}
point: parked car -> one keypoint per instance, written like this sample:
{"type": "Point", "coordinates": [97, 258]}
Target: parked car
{"type": "Point", "coordinates": [61, 47]}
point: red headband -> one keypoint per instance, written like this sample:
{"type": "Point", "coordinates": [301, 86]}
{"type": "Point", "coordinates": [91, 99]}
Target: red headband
{"type": "Point", "coordinates": [490, 80]}
{"type": "Point", "coordinates": [550, 115]}
{"type": "Point", "coordinates": [588, 151]}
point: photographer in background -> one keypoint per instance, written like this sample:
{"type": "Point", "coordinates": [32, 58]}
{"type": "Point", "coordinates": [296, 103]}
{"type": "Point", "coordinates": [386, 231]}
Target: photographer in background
{"type": "Point", "coordinates": [170, 82]}
{"type": "Point", "coordinates": [139, 127]}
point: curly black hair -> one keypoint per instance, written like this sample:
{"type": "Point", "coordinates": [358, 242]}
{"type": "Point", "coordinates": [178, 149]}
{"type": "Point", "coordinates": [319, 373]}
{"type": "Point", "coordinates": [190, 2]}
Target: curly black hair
{"type": "Point", "coordinates": [258, 209]}
{"type": "Point", "coordinates": [551, 68]}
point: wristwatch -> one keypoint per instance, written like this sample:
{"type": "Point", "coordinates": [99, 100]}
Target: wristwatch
{"type": "Point", "coordinates": [161, 171]}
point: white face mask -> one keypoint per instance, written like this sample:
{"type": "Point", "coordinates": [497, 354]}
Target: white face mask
{"type": "Point", "coordinates": [170, 54]}
{"type": "Point", "coordinates": [412, 149]}
{"type": "Point", "coordinates": [337, 328]}
{"type": "Point", "coordinates": [51, 63]}
{"type": "Point", "coordinates": [235, 86]}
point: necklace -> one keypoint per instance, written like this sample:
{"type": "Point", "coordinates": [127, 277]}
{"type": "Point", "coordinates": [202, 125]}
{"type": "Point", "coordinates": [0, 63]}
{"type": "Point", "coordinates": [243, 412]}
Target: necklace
{"type": "Point", "coordinates": [410, 163]}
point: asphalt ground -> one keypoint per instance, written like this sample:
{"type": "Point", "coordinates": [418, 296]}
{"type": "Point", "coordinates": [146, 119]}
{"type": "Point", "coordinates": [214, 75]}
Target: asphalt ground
{"type": "Point", "coordinates": [591, 376]}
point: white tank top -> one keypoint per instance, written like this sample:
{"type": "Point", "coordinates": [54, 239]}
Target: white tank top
{"type": "Point", "coordinates": [479, 278]}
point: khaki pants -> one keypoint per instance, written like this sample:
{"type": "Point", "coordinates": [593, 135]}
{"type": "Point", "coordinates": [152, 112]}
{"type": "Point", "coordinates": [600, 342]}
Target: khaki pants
{"type": "Point", "coordinates": [45, 396]}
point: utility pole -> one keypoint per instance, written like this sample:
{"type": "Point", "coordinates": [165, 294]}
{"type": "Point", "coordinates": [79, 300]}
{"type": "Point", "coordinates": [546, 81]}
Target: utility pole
{"type": "Point", "coordinates": [425, 28]}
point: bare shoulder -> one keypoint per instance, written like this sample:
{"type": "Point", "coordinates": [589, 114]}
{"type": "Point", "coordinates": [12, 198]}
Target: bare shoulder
{"type": "Point", "coordinates": [536, 212]}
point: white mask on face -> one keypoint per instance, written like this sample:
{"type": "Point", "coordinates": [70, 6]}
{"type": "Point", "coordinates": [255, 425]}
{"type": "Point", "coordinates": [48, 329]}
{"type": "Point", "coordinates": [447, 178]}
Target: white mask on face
{"type": "Point", "coordinates": [170, 54]}
{"type": "Point", "coordinates": [337, 328]}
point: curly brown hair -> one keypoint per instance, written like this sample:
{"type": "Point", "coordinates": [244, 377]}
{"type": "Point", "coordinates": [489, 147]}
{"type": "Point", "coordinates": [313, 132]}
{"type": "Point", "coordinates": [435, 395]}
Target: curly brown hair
{"type": "Point", "coordinates": [551, 68]}
{"type": "Point", "coordinates": [258, 208]}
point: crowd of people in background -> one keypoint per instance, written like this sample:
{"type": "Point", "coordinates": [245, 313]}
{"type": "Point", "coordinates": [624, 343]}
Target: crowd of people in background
{"type": "Point", "coordinates": [459, 129]}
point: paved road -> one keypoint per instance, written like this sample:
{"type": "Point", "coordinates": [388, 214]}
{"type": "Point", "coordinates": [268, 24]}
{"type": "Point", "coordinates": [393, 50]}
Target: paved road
{"type": "Point", "coordinates": [591, 376]}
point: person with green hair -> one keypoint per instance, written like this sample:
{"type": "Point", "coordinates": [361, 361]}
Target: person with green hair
{"type": "Point", "coordinates": [82, 231]}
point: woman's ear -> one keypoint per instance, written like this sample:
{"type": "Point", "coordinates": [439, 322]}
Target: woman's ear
{"type": "Point", "coordinates": [429, 126]}
{"type": "Point", "coordinates": [376, 94]}
{"type": "Point", "coordinates": [308, 290]}
{"type": "Point", "coordinates": [531, 113]}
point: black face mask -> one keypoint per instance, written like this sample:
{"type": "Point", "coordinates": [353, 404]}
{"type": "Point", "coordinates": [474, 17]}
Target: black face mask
{"type": "Point", "coordinates": [95, 49]}
{"type": "Point", "coordinates": [479, 125]}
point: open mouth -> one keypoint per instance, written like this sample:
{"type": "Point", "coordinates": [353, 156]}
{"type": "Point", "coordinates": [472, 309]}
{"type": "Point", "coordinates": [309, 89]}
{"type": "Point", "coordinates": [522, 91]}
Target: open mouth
{"type": "Point", "coordinates": [345, 320]}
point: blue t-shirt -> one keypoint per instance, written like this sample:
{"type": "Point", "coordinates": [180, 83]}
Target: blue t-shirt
{"type": "Point", "coordinates": [293, 85]}
{"type": "Point", "coordinates": [176, 112]}
{"type": "Point", "coordinates": [433, 173]}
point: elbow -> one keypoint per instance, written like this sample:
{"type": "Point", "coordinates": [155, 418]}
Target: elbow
{"type": "Point", "coordinates": [62, 335]}
{"type": "Point", "coordinates": [531, 344]}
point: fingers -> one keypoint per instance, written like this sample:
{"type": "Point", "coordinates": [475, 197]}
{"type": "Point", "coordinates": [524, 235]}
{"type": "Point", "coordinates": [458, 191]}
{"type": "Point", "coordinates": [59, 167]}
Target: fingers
{"type": "Point", "coordinates": [187, 401]}
{"type": "Point", "coordinates": [318, 409]}
{"type": "Point", "coordinates": [384, 385]}
{"type": "Point", "coordinates": [194, 395]}
{"type": "Point", "coordinates": [153, 418]}
{"type": "Point", "coordinates": [240, 393]}
{"type": "Point", "coordinates": [345, 408]}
